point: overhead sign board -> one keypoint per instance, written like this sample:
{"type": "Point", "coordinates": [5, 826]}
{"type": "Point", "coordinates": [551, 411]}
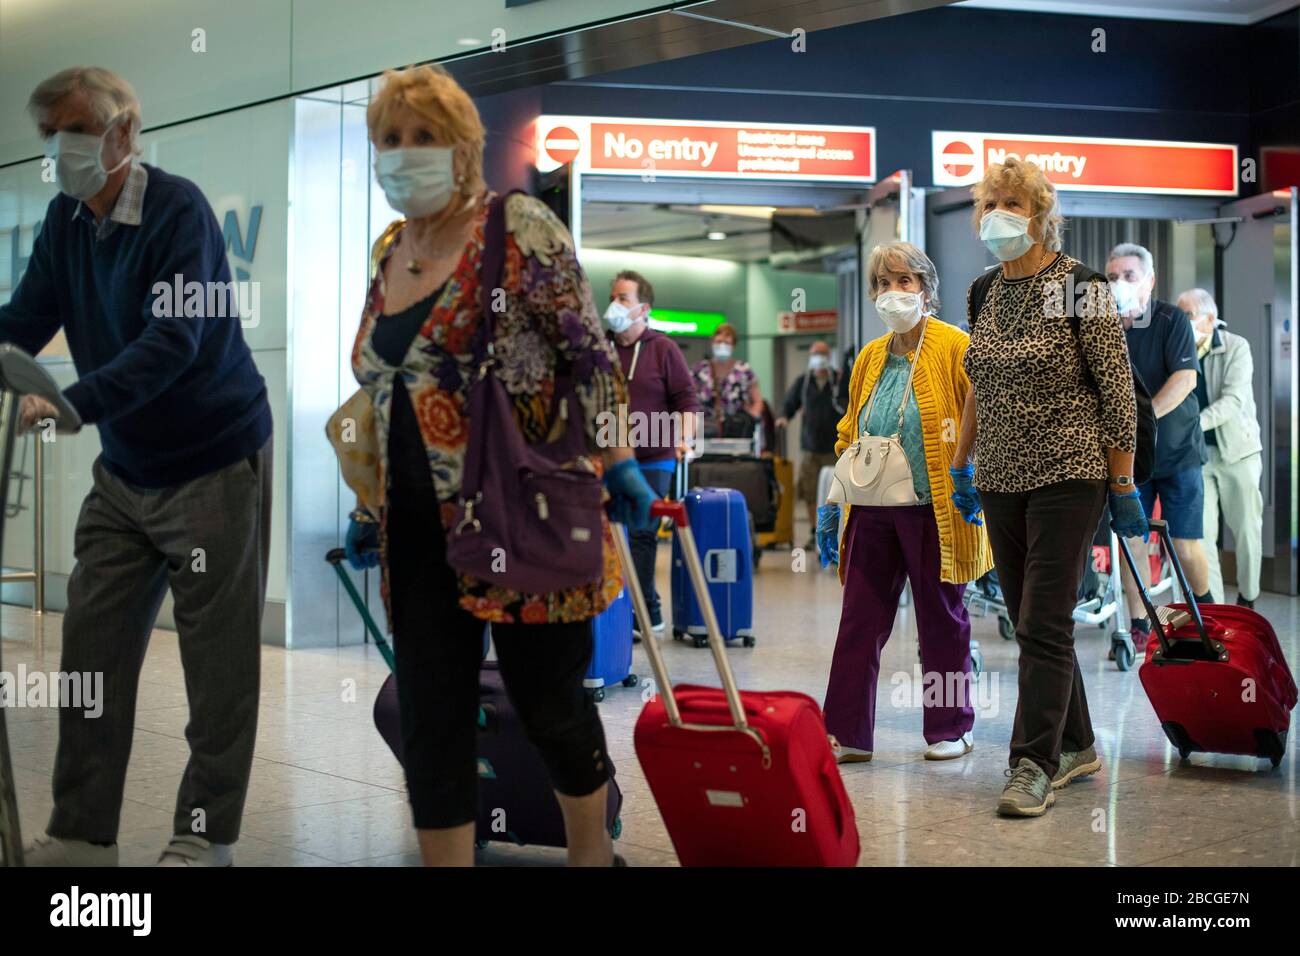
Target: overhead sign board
{"type": "Point", "coordinates": [1090, 164]}
{"type": "Point", "coordinates": [788, 152]}
{"type": "Point", "coordinates": [823, 320]}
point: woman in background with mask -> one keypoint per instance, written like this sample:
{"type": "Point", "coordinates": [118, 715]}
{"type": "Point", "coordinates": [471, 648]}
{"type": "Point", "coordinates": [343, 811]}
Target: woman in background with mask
{"type": "Point", "coordinates": [416, 354]}
{"type": "Point", "coordinates": [726, 387]}
{"type": "Point", "coordinates": [915, 367]}
{"type": "Point", "coordinates": [1051, 413]}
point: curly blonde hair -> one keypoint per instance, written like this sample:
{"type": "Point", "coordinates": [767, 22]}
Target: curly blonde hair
{"type": "Point", "coordinates": [433, 94]}
{"type": "Point", "coordinates": [1028, 181]}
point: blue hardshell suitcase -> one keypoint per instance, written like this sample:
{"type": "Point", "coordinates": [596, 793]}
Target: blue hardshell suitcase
{"type": "Point", "coordinates": [721, 522]}
{"type": "Point", "coordinates": [611, 647]}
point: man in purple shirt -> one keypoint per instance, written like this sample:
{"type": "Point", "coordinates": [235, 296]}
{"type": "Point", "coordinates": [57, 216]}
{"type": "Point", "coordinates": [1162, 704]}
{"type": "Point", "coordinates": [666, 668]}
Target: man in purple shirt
{"type": "Point", "coordinates": [663, 406]}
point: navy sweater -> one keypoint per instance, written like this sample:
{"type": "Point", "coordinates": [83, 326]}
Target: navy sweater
{"type": "Point", "coordinates": [175, 397]}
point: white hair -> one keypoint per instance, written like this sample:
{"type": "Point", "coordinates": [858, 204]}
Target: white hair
{"type": "Point", "coordinates": [1202, 303]}
{"type": "Point", "coordinates": [903, 257]}
{"type": "Point", "coordinates": [108, 93]}
{"type": "Point", "coordinates": [1133, 249]}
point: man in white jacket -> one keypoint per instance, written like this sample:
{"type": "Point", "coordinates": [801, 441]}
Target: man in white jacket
{"type": "Point", "coordinates": [1226, 394]}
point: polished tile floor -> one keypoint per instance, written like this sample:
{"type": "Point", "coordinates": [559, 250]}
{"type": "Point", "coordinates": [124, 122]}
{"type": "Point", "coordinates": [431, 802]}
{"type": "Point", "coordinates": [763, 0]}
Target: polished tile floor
{"type": "Point", "coordinates": [326, 792]}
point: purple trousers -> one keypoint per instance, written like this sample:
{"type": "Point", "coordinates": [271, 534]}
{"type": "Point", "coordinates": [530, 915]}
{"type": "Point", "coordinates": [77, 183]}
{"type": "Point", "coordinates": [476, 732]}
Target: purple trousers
{"type": "Point", "coordinates": [883, 548]}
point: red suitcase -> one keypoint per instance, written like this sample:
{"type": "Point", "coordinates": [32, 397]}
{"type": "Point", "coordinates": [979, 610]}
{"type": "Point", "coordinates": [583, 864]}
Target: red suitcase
{"type": "Point", "coordinates": [1216, 675]}
{"type": "Point", "coordinates": [740, 778]}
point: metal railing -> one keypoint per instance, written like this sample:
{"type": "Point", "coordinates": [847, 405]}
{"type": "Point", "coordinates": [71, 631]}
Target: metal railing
{"type": "Point", "coordinates": [37, 574]}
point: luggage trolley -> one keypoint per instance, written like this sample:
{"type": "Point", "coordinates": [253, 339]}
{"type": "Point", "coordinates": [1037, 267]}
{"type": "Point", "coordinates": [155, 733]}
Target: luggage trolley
{"type": "Point", "coordinates": [1101, 597]}
{"type": "Point", "coordinates": [19, 375]}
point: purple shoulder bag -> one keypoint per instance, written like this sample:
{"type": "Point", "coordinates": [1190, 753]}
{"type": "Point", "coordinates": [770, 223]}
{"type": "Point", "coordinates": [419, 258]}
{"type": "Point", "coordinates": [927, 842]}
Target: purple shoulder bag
{"type": "Point", "coordinates": [523, 520]}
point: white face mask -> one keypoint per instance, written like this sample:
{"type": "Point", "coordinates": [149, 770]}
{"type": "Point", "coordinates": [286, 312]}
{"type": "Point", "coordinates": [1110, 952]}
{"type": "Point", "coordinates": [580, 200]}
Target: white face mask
{"type": "Point", "coordinates": [1126, 296]}
{"type": "Point", "coordinates": [818, 362]}
{"type": "Point", "coordinates": [619, 317]}
{"type": "Point", "coordinates": [721, 351]}
{"type": "Point", "coordinates": [1005, 234]}
{"type": "Point", "coordinates": [78, 164]}
{"type": "Point", "coordinates": [899, 310]}
{"type": "Point", "coordinates": [417, 182]}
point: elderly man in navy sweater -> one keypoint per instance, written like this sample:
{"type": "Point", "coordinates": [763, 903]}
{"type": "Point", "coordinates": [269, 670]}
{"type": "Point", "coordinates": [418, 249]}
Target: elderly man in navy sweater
{"type": "Point", "coordinates": [182, 488]}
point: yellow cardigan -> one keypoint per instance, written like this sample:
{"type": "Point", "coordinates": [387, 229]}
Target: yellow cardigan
{"type": "Point", "coordinates": [940, 385]}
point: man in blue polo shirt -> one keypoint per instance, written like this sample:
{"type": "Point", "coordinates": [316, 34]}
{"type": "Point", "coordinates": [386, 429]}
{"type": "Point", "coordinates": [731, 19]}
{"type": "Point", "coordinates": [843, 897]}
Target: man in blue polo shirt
{"type": "Point", "coordinates": [1162, 345]}
{"type": "Point", "coordinates": [182, 489]}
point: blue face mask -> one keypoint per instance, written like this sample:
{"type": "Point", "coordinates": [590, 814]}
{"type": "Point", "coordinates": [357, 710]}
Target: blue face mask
{"type": "Point", "coordinates": [1005, 234]}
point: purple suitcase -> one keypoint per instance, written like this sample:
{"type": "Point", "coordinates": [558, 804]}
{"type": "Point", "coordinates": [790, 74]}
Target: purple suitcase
{"type": "Point", "coordinates": [516, 801]}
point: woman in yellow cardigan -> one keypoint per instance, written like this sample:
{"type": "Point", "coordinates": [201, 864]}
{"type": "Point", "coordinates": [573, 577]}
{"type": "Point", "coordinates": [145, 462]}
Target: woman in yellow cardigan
{"type": "Point", "coordinates": [926, 543]}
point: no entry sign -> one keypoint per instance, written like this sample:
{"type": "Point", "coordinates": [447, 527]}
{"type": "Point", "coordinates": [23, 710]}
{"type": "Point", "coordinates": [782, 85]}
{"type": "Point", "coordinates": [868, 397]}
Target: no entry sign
{"type": "Point", "coordinates": [693, 149]}
{"type": "Point", "coordinates": [1098, 165]}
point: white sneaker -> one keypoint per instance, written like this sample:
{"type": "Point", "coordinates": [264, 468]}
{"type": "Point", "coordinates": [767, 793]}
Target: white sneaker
{"type": "Point", "coordinates": [951, 749]}
{"type": "Point", "coordinates": [187, 850]}
{"type": "Point", "coordinates": [844, 754]}
{"type": "Point", "coordinates": [658, 628]}
{"type": "Point", "coordinates": [46, 850]}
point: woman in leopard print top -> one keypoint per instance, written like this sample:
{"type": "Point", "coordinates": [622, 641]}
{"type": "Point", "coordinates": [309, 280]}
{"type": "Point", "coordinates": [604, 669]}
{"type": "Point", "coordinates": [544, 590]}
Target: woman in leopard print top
{"type": "Point", "coordinates": [1051, 419]}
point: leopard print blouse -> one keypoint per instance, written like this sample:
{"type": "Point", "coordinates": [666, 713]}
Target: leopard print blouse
{"type": "Point", "coordinates": [1040, 416]}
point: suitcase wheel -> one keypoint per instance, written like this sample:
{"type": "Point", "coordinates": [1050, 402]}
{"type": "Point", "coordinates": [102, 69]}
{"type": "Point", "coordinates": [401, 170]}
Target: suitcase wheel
{"type": "Point", "coordinates": [1125, 653]}
{"type": "Point", "coordinates": [678, 635]}
{"type": "Point", "coordinates": [749, 640]}
{"type": "Point", "coordinates": [1271, 745]}
{"type": "Point", "coordinates": [596, 693]}
{"type": "Point", "coordinates": [631, 680]}
{"type": "Point", "coordinates": [1178, 737]}
{"type": "Point", "coordinates": [1006, 630]}
{"type": "Point", "coordinates": [700, 640]}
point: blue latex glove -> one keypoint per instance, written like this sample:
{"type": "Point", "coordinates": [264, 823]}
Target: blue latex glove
{"type": "Point", "coordinates": [828, 530]}
{"type": "Point", "coordinates": [1127, 518]}
{"type": "Point", "coordinates": [630, 496]}
{"type": "Point", "coordinates": [964, 495]}
{"type": "Point", "coordinates": [362, 544]}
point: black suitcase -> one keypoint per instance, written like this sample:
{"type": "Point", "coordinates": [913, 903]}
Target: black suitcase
{"type": "Point", "coordinates": [755, 478]}
{"type": "Point", "coordinates": [515, 799]}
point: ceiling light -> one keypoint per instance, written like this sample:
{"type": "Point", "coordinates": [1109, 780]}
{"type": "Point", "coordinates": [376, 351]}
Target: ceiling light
{"type": "Point", "coordinates": [717, 236]}
{"type": "Point", "coordinates": [469, 41]}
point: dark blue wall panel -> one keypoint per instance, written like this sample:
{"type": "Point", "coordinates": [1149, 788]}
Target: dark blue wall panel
{"type": "Point", "coordinates": [979, 70]}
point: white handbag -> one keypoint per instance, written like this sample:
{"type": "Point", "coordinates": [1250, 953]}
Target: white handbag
{"type": "Point", "coordinates": [874, 471]}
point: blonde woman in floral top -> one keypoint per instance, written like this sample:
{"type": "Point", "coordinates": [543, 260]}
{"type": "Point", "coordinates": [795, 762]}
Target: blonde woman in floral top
{"type": "Point", "coordinates": [417, 350]}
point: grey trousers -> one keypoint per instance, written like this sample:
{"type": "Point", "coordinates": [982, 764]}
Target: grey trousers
{"type": "Point", "coordinates": [209, 541]}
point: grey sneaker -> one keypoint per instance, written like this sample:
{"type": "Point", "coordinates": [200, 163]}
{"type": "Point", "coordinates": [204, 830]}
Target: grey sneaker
{"type": "Point", "coordinates": [188, 850]}
{"type": "Point", "coordinates": [1028, 793]}
{"type": "Point", "coordinates": [1076, 763]}
{"type": "Point", "coordinates": [46, 850]}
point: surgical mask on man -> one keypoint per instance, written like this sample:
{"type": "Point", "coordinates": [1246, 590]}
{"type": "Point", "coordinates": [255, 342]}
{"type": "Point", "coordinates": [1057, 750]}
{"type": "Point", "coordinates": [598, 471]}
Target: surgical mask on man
{"type": "Point", "coordinates": [721, 351]}
{"type": "Point", "coordinates": [78, 164]}
{"type": "Point", "coordinates": [1005, 234]}
{"type": "Point", "coordinates": [1126, 295]}
{"type": "Point", "coordinates": [417, 182]}
{"type": "Point", "coordinates": [618, 317]}
{"type": "Point", "coordinates": [899, 310]}
{"type": "Point", "coordinates": [818, 362]}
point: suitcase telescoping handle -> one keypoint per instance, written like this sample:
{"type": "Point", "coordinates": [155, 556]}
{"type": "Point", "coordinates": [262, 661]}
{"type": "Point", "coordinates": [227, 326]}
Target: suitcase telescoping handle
{"type": "Point", "coordinates": [1214, 649]}
{"type": "Point", "coordinates": [676, 512]}
{"type": "Point", "coordinates": [336, 556]}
